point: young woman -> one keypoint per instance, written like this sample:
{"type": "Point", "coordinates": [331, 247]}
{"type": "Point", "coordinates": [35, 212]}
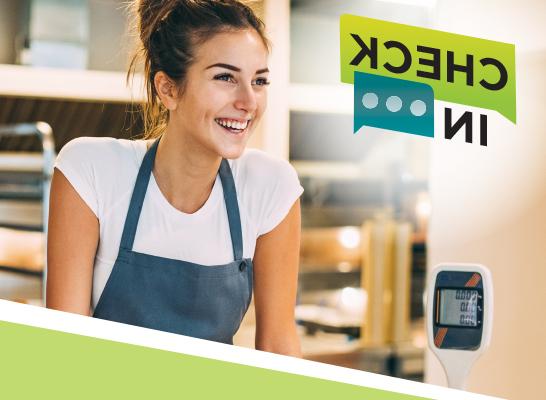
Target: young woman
{"type": "Point", "coordinates": [174, 232]}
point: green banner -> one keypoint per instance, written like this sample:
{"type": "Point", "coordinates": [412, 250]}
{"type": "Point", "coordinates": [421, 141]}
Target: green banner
{"type": "Point", "coordinates": [37, 363]}
{"type": "Point", "coordinates": [460, 69]}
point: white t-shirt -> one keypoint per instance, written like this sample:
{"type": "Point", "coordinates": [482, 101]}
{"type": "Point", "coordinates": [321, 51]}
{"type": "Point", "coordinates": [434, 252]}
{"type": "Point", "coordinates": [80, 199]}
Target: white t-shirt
{"type": "Point", "coordinates": [103, 171]}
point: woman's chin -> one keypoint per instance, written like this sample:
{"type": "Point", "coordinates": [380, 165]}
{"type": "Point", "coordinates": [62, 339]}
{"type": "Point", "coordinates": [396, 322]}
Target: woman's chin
{"type": "Point", "coordinates": [232, 152]}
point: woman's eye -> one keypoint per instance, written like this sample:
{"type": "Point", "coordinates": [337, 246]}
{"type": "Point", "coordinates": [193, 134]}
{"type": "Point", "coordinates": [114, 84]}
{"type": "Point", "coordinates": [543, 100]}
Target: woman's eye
{"type": "Point", "coordinates": [225, 77]}
{"type": "Point", "coordinates": [261, 82]}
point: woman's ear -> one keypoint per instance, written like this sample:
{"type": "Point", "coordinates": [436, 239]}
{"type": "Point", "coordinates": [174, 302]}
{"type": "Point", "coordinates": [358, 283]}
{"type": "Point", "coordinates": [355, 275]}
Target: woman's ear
{"type": "Point", "coordinates": [166, 89]}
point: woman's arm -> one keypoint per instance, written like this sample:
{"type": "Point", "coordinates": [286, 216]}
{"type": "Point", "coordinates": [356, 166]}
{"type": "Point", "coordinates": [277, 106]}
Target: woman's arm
{"type": "Point", "coordinates": [276, 262]}
{"type": "Point", "coordinates": [72, 240]}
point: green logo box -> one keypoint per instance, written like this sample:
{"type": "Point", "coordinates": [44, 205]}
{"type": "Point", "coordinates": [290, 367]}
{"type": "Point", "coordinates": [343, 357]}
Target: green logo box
{"type": "Point", "coordinates": [459, 69]}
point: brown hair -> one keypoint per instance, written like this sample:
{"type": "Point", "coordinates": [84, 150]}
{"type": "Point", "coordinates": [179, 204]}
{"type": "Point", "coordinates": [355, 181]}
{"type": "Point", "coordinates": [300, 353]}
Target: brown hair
{"type": "Point", "coordinates": [169, 31]}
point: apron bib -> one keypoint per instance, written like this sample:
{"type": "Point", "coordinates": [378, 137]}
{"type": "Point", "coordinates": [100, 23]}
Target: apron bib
{"type": "Point", "coordinates": [201, 301]}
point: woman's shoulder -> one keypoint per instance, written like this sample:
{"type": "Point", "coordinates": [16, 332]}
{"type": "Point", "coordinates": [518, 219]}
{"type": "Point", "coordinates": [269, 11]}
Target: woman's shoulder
{"type": "Point", "coordinates": [267, 185]}
{"type": "Point", "coordinates": [100, 149]}
{"type": "Point", "coordinates": [101, 169]}
{"type": "Point", "coordinates": [257, 165]}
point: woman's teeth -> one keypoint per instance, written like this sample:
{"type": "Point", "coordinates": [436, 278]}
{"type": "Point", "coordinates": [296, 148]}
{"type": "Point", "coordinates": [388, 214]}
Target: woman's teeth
{"type": "Point", "coordinates": [232, 125]}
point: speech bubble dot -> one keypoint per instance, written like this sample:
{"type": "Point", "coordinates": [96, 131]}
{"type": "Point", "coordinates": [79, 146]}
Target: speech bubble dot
{"type": "Point", "coordinates": [399, 116]}
{"type": "Point", "coordinates": [418, 108]}
{"type": "Point", "coordinates": [370, 100]}
{"type": "Point", "coordinates": [394, 103]}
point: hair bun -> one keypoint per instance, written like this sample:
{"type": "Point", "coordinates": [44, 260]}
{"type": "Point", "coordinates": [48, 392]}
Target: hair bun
{"type": "Point", "coordinates": [150, 14]}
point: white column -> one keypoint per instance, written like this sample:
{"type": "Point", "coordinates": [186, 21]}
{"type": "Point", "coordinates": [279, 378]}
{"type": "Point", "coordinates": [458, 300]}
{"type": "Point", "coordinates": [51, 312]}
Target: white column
{"type": "Point", "coordinates": [275, 123]}
{"type": "Point", "coordinates": [489, 203]}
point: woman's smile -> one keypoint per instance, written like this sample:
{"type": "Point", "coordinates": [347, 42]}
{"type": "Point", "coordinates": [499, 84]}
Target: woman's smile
{"type": "Point", "coordinates": [234, 127]}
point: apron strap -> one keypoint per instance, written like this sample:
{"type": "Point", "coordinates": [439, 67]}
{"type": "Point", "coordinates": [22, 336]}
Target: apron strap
{"type": "Point", "coordinates": [137, 199]}
{"type": "Point", "coordinates": [139, 192]}
{"type": "Point", "coordinates": [232, 207]}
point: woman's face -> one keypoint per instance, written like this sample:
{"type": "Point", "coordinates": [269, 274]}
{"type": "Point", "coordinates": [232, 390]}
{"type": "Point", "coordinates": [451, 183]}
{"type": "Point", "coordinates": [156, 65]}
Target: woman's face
{"type": "Point", "coordinates": [224, 94]}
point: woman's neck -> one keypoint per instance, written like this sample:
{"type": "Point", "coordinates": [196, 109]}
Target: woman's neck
{"type": "Point", "coordinates": [184, 171]}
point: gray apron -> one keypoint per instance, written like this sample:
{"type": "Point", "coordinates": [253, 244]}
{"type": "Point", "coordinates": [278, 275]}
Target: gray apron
{"type": "Point", "coordinates": [206, 302]}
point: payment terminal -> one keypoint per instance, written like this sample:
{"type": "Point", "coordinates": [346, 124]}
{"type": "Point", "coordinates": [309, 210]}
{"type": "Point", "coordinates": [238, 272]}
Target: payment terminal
{"type": "Point", "coordinates": [459, 317]}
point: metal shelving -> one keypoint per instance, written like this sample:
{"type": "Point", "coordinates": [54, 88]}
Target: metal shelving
{"type": "Point", "coordinates": [25, 181]}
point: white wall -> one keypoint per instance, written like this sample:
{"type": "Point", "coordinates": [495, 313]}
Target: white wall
{"type": "Point", "coordinates": [11, 38]}
{"type": "Point", "coordinates": [272, 133]}
{"type": "Point", "coordinates": [489, 203]}
{"type": "Point", "coordinates": [110, 46]}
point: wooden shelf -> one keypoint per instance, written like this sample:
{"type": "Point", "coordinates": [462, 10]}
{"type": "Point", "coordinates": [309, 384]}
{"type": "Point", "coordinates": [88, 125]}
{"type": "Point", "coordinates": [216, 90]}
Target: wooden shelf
{"type": "Point", "coordinates": [337, 170]}
{"type": "Point", "coordinates": [66, 84]}
{"type": "Point", "coordinates": [336, 99]}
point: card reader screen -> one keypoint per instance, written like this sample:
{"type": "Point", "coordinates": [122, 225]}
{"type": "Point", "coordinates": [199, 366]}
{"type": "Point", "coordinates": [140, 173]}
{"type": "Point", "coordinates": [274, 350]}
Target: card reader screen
{"type": "Point", "coordinates": [458, 307]}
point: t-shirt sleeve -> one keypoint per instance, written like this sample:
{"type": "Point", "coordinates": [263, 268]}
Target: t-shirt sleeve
{"type": "Point", "coordinates": [75, 161]}
{"type": "Point", "coordinates": [272, 187]}
{"type": "Point", "coordinates": [284, 192]}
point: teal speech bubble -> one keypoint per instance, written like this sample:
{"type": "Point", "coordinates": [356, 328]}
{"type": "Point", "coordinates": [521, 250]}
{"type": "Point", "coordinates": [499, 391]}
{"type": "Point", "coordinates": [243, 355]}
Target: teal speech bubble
{"type": "Point", "coordinates": [394, 104]}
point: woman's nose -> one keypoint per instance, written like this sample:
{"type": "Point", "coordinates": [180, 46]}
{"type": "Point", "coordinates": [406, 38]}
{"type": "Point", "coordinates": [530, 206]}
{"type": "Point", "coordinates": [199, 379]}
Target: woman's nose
{"type": "Point", "coordinates": [246, 99]}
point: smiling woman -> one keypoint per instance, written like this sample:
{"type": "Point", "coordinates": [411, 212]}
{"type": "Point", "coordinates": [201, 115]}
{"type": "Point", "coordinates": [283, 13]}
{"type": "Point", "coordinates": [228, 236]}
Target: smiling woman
{"type": "Point", "coordinates": [218, 98]}
{"type": "Point", "coordinates": [176, 231]}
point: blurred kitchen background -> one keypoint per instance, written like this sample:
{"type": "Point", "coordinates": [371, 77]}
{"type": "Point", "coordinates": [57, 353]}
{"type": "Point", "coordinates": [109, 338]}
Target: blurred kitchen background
{"type": "Point", "coordinates": [367, 199]}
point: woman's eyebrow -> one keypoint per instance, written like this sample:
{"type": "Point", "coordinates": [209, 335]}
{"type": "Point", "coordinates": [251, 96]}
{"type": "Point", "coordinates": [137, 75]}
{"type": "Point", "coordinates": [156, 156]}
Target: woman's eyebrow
{"type": "Point", "coordinates": [234, 68]}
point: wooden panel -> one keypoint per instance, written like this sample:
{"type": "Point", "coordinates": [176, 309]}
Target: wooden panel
{"type": "Point", "coordinates": [22, 250]}
{"type": "Point", "coordinates": [70, 119]}
{"type": "Point", "coordinates": [330, 249]}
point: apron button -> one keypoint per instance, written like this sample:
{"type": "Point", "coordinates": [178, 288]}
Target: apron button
{"type": "Point", "coordinates": [242, 266]}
